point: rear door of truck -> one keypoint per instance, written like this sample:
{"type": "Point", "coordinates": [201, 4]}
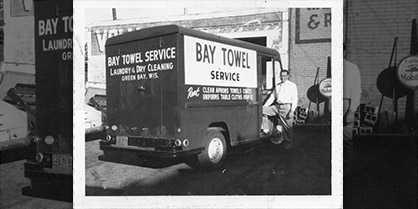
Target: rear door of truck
{"type": "Point", "coordinates": [142, 92]}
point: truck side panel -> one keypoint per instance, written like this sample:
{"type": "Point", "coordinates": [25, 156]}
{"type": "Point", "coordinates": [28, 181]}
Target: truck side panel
{"type": "Point", "coordinates": [225, 92]}
{"type": "Point", "coordinates": [242, 128]}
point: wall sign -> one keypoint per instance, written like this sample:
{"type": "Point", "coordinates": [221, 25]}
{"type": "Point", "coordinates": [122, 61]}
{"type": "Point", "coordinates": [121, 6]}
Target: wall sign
{"type": "Point", "coordinates": [233, 24]}
{"type": "Point", "coordinates": [21, 8]}
{"type": "Point", "coordinates": [313, 25]}
{"type": "Point", "coordinates": [407, 72]}
{"type": "Point", "coordinates": [325, 87]}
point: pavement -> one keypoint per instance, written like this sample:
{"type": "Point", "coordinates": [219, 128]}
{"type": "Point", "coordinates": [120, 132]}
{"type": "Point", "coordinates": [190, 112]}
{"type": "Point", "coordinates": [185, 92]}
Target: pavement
{"type": "Point", "coordinates": [12, 180]}
{"type": "Point", "coordinates": [384, 173]}
{"type": "Point", "coordinates": [254, 169]}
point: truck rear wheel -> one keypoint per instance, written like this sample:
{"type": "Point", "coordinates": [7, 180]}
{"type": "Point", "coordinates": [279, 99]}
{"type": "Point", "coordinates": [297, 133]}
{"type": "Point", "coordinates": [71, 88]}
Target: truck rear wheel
{"type": "Point", "coordinates": [215, 150]}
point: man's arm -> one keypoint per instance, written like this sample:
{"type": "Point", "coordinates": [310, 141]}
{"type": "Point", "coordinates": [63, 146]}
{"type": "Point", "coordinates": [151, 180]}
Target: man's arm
{"type": "Point", "coordinates": [355, 89]}
{"type": "Point", "coordinates": [271, 98]}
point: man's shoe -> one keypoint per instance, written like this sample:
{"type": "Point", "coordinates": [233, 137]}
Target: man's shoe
{"type": "Point", "coordinates": [279, 129]}
{"type": "Point", "coordinates": [264, 133]}
{"type": "Point", "coordinates": [277, 139]}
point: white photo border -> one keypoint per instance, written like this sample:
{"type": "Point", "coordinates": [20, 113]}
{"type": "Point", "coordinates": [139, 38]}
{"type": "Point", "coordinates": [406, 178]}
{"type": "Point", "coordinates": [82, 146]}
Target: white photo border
{"type": "Point", "coordinates": [262, 201]}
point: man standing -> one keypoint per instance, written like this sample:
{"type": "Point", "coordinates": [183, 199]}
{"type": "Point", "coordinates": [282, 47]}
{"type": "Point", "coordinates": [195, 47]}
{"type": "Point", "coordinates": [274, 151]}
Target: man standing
{"type": "Point", "coordinates": [281, 103]}
{"type": "Point", "coordinates": [351, 101]}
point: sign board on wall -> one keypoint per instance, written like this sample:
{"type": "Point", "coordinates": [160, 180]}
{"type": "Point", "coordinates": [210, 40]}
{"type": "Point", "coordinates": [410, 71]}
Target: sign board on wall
{"type": "Point", "coordinates": [234, 24]}
{"type": "Point", "coordinates": [219, 72]}
{"type": "Point", "coordinates": [21, 8]}
{"type": "Point", "coordinates": [325, 87]}
{"type": "Point", "coordinates": [313, 25]}
{"type": "Point", "coordinates": [408, 72]}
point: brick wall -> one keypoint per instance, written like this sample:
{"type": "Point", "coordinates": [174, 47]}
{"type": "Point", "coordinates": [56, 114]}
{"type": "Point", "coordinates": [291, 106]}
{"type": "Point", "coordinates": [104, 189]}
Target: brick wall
{"type": "Point", "coordinates": [371, 29]}
{"type": "Point", "coordinates": [308, 51]}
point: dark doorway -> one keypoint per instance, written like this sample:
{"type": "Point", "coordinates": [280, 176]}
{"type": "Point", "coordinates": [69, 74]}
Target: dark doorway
{"type": "Point", "coordinates": [255, 40]}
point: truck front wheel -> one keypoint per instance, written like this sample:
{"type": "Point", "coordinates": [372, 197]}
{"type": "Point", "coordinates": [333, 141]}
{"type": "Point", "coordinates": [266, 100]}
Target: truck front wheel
{"type": "Point", "coordinates": [215, 150]}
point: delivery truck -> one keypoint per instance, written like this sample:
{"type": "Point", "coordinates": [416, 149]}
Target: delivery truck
{"type": "Point", "coordinates": [51, 169]}
{"type": "Point", "coordinates": [175, 92]}
{"type": "Point", "coordinates": [17, 119]}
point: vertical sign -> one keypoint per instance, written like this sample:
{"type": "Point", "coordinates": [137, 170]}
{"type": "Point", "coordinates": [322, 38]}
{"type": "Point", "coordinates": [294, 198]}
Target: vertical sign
{"type": "Point", "coordinates": [407, 72]}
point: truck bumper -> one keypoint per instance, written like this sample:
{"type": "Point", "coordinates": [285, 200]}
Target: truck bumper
{"type": "Point", "coordinates": [94, 130]}
{"type": "Point", "coordinates": [146, 152]}
{"type": "Point", "coordinates": [48, 184]}
{"type": "Point", "coordinates": [16, 143]}
{"type": "Point", "coordinates": [95, 133]}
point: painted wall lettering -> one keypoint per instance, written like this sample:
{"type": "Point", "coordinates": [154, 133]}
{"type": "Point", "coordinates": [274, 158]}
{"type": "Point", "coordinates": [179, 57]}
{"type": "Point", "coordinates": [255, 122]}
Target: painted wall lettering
{"type": "Point", "coordinates": [313, 25]}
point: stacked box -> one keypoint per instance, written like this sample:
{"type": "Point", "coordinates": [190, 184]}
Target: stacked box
{"type": "Point", "coordinates": [299, 116]}
{"type": "Point", "coordinates": [303, 114]}
{"type": "Point", "coordinates": [366, 130]}
{"type": "Point", "coordinates": [370, 119]}
{"type": "Point", "coordinates": [365, 119]}
{"type": "Point", "coordinates": [300, 122]}
{"type": "Point", "coordinates": [357, 123]}
{"type": "Point", "coordinates": [356, 131]}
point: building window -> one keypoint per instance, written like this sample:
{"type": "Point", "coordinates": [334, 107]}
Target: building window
{"type": "Point", "coordinates": [1, 32]}
{"type": "Point", "coordinates": [20, 8]}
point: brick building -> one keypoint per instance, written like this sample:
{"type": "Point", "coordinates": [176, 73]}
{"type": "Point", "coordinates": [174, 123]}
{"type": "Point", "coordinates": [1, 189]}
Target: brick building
{"type": "Point", "coordinates": [302, 37]}
{"type": "Point", "coordinates": [370, 31]}
{"type": "Point", "coordinates": [309, 49]}
{"type": "Point", "coordinates": [264, 26]}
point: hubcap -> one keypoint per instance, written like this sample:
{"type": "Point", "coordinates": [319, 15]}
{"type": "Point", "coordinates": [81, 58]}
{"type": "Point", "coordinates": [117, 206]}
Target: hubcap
{"type": "Point", "coordinates": [215, 150]}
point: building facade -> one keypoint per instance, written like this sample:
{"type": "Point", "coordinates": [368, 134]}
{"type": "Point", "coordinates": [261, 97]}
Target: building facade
{"type": "Point", "coordinates": [370, 31]}
{"type": "Point", "coordinates": [18, 60]}
{"type": "Point", "coordinates": [261, 26]}
{"type": "Point", "coordinates": [309, 50]}
{"type": "Point", "coordinates": [302, 36]}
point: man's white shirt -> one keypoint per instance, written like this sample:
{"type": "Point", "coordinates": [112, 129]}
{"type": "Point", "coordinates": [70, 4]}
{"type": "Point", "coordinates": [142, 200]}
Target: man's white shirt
{"type": "Point", "coordinates": [352, 84]}
{"type": "Point", "coordinates": [285, 92]}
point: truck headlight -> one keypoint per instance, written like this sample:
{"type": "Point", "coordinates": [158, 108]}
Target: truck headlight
{"type": "Point", "coordinates": [49, 140]}
{"type": "Point", "coordinates": [186, 142]}
{"type": "Point", "coordinates": [177, 142]}
{"type": "Point", "coordinates": [39, 157]}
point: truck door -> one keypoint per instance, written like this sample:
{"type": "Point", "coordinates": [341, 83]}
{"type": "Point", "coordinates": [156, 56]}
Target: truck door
{"type": "Point", "coordinates": [268, 75]}
{"type": "Point", "coordinates": [142, 94]}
